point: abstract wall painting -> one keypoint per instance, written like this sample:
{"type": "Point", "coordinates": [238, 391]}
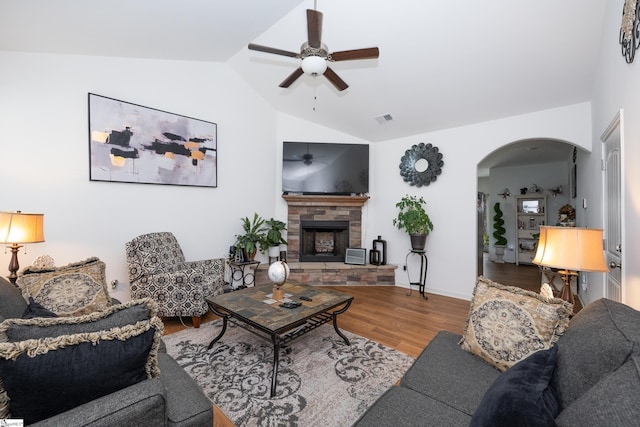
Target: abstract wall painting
{"type": "Point", "coordinates": [136, 144]}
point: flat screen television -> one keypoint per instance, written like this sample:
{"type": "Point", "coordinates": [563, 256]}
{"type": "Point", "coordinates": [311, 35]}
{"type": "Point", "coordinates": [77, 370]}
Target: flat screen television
{"type": "Point", "coordinates": [325, 168]}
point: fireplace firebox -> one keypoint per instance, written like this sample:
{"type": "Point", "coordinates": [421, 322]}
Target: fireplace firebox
{"type": "Point", "coordinates": [323, 241]}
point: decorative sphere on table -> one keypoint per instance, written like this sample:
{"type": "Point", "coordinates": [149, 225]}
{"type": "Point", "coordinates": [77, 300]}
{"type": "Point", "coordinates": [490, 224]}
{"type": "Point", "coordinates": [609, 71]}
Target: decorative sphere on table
{"type": "Point", "coordinates": [278, 272]}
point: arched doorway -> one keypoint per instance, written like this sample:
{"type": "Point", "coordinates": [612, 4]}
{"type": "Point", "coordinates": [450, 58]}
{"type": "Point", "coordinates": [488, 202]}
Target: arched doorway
{"type": "Point", "coordinates": [541, 164]}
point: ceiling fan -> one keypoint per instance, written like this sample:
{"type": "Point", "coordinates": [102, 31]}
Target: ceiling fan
{"type": "Point", "coordinates": [315, 54]}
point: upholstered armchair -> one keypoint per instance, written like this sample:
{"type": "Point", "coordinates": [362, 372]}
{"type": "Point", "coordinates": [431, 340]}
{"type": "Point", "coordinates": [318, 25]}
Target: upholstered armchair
{"type": "Point", "coordinates": [158, 270]}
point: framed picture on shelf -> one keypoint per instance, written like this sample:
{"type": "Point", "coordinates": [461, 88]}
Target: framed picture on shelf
{"type": "Point", "coordinates": [136, 144]}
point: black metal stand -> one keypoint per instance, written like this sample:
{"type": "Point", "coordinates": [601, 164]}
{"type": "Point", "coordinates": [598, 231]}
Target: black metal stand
{"type": "Point", "coordinates": [422, 280]}
{"type": "Point", "coordinates": [238, 272]}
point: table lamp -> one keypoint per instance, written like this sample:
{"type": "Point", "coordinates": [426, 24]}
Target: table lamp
{"type": "Point", "coordinates": [570, 249]}
{"type": "Point", "coordinates": [16, 229]}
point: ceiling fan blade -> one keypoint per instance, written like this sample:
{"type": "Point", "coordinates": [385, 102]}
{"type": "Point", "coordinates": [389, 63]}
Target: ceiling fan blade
{"type": "Point", "coordinates": [346, 55]}
{"type": "Point", "coordinates": [268, 49]}
{"type": "Point", "coordinates": [292, 77]}
{"type": "Point", "coordinates": [335, 79]}
{"type": "Point", "coordinates": [314, 28]}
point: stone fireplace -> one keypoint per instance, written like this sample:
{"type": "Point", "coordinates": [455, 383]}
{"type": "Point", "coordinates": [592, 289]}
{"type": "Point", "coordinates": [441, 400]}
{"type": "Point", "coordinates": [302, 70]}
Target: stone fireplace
{"type": "Point", "coordinates": [325, 215]}
{"type": "Point", "coordinates": [324, 225]}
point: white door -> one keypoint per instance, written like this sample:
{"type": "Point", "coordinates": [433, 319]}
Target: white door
{"type": "Point", "coordinates": [613, 208]}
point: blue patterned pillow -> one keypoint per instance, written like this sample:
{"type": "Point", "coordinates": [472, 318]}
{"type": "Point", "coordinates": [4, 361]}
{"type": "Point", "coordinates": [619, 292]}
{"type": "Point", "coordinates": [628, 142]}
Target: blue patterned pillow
{"type": "Point", "coordinates": [521, 396]}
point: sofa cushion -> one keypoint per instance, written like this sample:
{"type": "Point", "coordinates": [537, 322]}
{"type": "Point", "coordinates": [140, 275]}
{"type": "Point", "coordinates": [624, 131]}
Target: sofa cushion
{"type": "Point", "coordinates": [401, 406]}
{"type": "Point", "coordinates": [12, 303]}
{"type": "Point", "coordinates": [46, 376]}
{"type": "Point", "coordinates": [35, 309]}
{"type": "Point", "coordinates": [445, 372]}
{"type": "Point", "coordinates": [521, 396]}
{"type": "Point", "coordinates": [614, 401]}
{"type": "Point", "coordinates": [506, 324]}
{"type": "Point", "coordinates": [115, 316]}
{"type": "Point", "coordinates": [600, 338]}
{"type": "Point", "coordinates": [71, 290]}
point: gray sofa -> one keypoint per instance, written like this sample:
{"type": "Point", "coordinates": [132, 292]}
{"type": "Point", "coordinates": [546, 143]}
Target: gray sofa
{"type": "Point", "coordinates": [172, 399]}
{"type": "Point", "coordinates": [595, 381]}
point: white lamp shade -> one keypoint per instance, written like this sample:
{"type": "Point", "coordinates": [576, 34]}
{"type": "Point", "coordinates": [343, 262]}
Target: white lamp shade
{"type": "Point", "coordinates": [314, 65]}
{"type": "Point", "coordinates": [571, 248]}
{"type": "Point", "coordinates": [18, 227]}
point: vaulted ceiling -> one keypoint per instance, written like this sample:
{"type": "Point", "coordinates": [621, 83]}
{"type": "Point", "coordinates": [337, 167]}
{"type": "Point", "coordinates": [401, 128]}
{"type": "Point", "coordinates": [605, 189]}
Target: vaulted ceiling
{"type": "Point", "coordinates": [442, 63]}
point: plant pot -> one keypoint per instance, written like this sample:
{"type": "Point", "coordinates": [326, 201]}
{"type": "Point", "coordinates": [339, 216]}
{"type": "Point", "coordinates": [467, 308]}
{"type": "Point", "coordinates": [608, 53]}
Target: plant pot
{"type": "Point", "coordinates": [418, 241]}
{"type": "Point", "coordinates": [499, 253]}
{"type": "Point", "coordinates": [250, 256]}
{"type": "Point", "coordinates": [273, 251]}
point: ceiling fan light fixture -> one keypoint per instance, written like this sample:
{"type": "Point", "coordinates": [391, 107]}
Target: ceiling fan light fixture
{"type": "Point", "coordinates": [314, 65]}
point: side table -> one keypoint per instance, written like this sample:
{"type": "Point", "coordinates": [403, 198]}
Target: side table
{"type": "Point", "coordinates": [422, 279]}
{"type": "Point", "coordinates": [243, 271]}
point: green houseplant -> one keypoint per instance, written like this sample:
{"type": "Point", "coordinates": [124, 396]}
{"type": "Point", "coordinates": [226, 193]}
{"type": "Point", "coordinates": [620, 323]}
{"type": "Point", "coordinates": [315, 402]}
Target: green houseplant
{"type": "Point", "coordinates": [254, 235]}
{"type": "Point", "coordinates": [413, 218]}
{"type": "Point", "coordinates": [273, 237]}
{"type": "Point", "coordinates": [498, 233]}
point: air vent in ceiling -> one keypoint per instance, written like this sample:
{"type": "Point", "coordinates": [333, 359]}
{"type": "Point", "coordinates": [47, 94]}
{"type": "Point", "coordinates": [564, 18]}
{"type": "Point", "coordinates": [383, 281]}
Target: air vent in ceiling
{"type": "Point", "coordinates": [384, 118]}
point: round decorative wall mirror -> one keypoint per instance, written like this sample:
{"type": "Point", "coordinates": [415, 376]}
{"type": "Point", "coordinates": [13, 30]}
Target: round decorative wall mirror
{"type": "Point", "coordinates": [421, 164]}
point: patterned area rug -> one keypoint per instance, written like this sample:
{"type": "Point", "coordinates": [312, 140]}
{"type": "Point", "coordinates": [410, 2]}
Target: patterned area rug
{"type": "Point", "coordinates": [321, 380]}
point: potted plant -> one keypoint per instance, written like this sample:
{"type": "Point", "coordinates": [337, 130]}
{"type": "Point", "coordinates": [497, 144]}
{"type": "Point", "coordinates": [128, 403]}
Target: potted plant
{"type": "Point", "coordinates": [414, 220]}
{"type": "Point", "coordinates": [567, 216]}
{"type": "Point", "coordinates": [273, 237]}
{"type": "Point", "coordinates": [498, 233]}
{"type": "Point", "coordinates": [253, 235]}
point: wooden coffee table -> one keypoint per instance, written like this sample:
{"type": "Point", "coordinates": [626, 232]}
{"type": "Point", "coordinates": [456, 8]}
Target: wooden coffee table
{"type": "Point", "coordinates": [247, 308]}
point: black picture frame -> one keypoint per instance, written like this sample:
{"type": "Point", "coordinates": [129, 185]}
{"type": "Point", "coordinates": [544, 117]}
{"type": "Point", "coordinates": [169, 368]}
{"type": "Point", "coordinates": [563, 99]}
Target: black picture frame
{"type": "Point", "coordinates": [136, 144]}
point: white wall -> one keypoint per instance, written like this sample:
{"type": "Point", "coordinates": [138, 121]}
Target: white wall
{"type": "Point", "coordinates": [44, 156]}
{"type": "Point", "coordinates": [451, 200]}
{"type": "Point", "coordinates": [546, 176]}
{"type": "Point", "coordinates": [617, 87]}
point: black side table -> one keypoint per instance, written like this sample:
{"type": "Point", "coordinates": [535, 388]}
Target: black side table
{"type": "Point", "coordinates": [422, 279]}
{"type": "Point", "coordinates": [240, 272]}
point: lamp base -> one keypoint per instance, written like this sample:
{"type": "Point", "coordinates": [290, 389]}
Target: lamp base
{"type": "Point", "coordinates": [13, 264]}
{"type": "Point", "coordinates": [567, 294]}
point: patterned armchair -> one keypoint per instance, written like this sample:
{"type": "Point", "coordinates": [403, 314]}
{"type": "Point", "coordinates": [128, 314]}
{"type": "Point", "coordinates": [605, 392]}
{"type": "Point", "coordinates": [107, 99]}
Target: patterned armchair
{"type": "Point", "coordinates": [158, 270]}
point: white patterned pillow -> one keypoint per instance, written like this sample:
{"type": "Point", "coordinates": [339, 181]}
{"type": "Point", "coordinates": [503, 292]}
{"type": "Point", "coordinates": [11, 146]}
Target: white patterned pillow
{"type": "Point", "coordinates": [507, 324]}
{"type": "Point", "coordinates": [71, 290]}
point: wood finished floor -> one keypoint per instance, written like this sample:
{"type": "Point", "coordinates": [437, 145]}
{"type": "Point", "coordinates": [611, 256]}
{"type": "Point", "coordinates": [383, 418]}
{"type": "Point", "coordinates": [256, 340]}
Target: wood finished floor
{"type": "Point", "coordinates": [386, 314]}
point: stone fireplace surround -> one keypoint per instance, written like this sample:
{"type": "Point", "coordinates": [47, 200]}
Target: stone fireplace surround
{"type": "Point", "coordinates": [328, 208]}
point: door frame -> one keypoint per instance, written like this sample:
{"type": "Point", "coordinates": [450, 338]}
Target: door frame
{"type": "Point", "coordinates": [616, 125]}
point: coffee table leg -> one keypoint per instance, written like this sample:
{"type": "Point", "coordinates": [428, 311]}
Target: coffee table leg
{"type": "Point", "coordinates": [334, 315]}
{"type": "Point", "coordinates": [276, 356]}
{"type": "Point", "coordinates": [224, 327]}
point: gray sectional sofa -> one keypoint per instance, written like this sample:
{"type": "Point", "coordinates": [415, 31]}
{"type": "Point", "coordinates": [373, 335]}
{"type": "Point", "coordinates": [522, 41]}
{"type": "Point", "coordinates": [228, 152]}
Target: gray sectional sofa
{"type": "Point", "coordinates": [594, 379]}
{"type": "Point", "coordinates": [171, 399]}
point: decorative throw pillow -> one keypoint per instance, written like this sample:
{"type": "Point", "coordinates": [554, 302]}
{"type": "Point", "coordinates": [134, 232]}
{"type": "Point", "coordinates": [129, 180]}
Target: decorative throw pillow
{"type": "Point", "coordinates": [521, 396]}
{"type": "Point", "coordinates": [43, 377]}
{"type": "Point", "coordinates": [72, 290]}
{"type": "Point", "coordinates": [115, 316]}
{"type": "Point", "coordinates": [507, 324]}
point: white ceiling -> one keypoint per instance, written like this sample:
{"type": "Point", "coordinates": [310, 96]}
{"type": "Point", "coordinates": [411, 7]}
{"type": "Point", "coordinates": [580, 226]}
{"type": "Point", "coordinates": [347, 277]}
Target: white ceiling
{"type": "Point", "coordinates": [442, 63]}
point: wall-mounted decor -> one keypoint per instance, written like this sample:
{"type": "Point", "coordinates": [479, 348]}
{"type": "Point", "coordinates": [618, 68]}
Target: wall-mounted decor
{"type": "Point", "coordinates": [630, 29]}
{"type": "Point", "coordinates": [132, 143]}
{"type": "Point", "coordinates": [574, 180]}
{"type": "Point", "coordinates": [421, 164]}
